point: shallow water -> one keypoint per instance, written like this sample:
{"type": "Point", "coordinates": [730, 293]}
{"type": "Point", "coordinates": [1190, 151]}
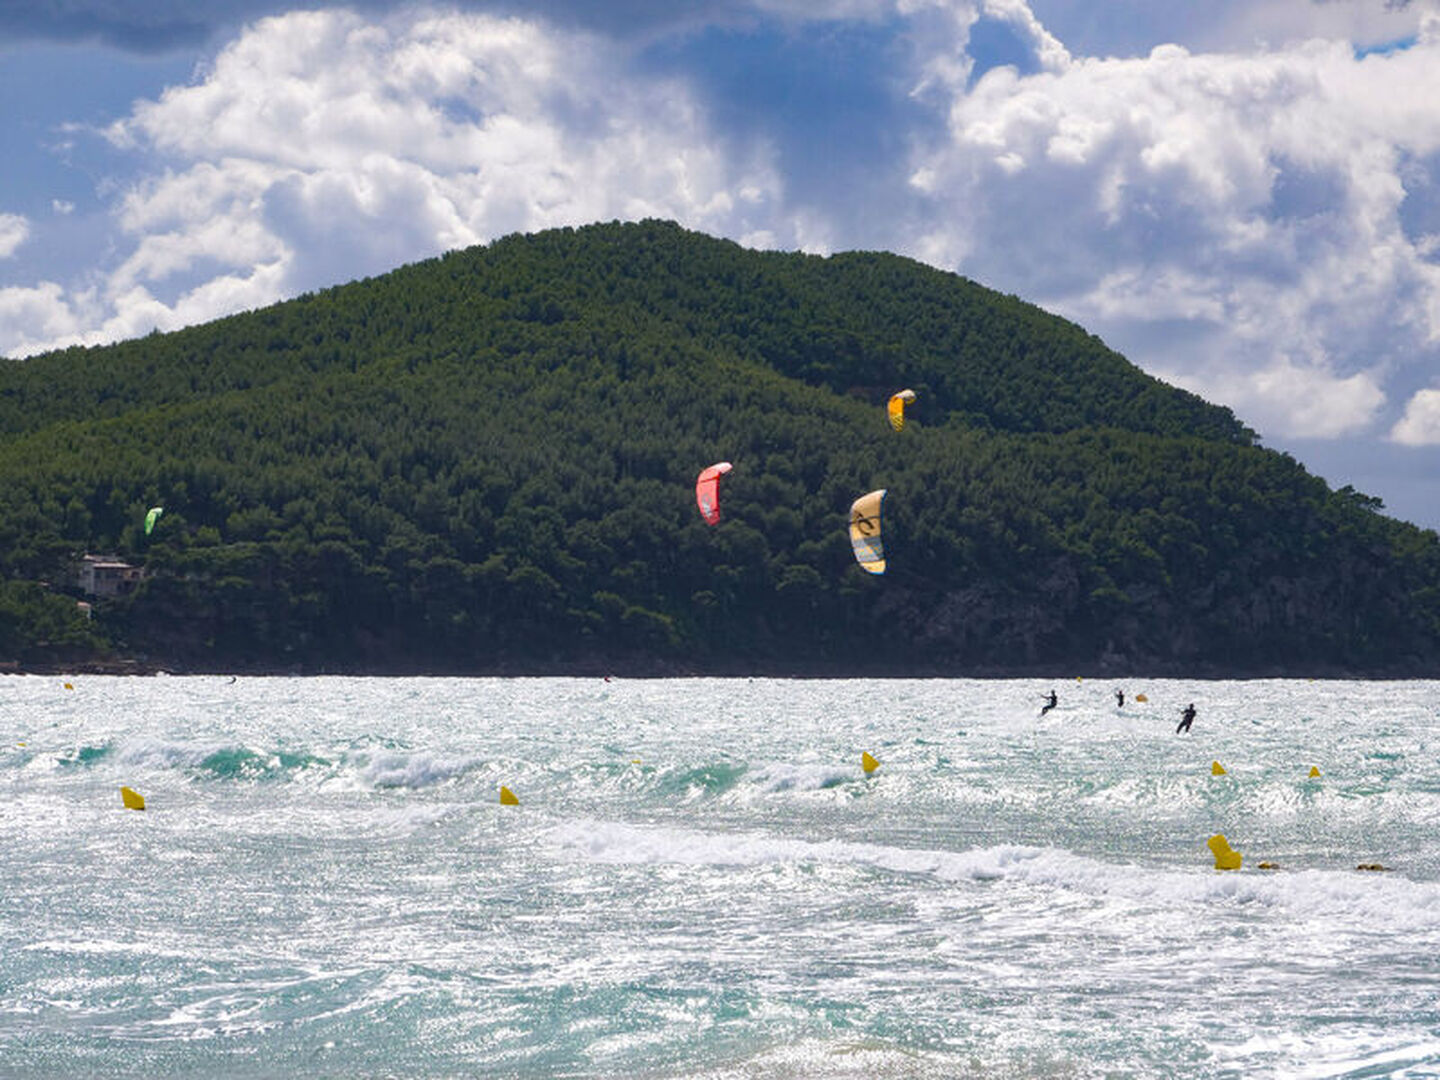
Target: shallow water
{"type": "Point", "coordinates": [701, 881]}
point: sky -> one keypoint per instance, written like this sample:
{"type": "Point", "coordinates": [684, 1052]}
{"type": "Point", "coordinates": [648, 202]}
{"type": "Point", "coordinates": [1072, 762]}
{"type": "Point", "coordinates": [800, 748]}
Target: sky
{"type": "Point", "coordinates": [1241, 196]}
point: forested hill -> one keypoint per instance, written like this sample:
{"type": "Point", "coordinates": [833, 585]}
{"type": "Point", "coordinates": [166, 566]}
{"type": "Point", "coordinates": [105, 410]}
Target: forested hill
{"type": "Point", "coordinates": [486, 462]}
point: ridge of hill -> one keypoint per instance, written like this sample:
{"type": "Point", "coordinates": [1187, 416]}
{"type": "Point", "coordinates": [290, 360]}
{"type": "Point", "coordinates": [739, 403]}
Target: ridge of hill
{"type": "Point", "coordinates": [485, 462]}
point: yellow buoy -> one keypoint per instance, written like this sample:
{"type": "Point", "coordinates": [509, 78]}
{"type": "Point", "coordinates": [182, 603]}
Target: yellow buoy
{"type": "Point", "coordinates": [1314, 772]}
{"type": "Point", "coordinates": [1226, 857]}
{"type": "Point", "coordinates": [132, 799]}
{"type": "Point", "coordinates": [507, 797]}
{"type": "Point", "coordinates": [69, 687]}
{"type": "Point", "coordinates": [868, 762]}
{"type": "Point", "coordinates": [1141, 698]}
{"type": "Point", "coordinates": [1216, 769]}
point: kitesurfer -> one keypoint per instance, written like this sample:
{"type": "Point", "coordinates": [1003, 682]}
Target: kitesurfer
{"type": "Point", "coordinates": [1186, 718]}
{"type": "Point", "coordinates": [1050, 703]}
{"type": "Point", "coordinates": [1120, 698]}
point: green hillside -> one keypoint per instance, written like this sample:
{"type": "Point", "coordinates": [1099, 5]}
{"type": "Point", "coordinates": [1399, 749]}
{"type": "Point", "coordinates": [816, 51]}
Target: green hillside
{"type": "Point", "coordinates": [485, 462]}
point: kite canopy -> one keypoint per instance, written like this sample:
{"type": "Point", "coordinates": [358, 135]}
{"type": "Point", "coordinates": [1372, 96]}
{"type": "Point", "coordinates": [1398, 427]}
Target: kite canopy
{"type": "Point", "coordinates": [707, 491]}
{"type": "Point", "coordinates": [152, 517]}
{"type": "Point", "coordinates": [865, 531]}
{"type": "Point", "coordinates": [898, 402]}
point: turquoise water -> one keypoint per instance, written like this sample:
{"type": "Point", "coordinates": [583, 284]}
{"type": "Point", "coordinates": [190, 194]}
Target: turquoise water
{"type": "Point", "coordinates": [701, 881]}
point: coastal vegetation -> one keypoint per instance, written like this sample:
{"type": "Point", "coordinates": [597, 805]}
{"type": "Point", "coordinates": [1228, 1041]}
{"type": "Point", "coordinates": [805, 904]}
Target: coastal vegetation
{"type": "Point", "coordinates": [485, 463]}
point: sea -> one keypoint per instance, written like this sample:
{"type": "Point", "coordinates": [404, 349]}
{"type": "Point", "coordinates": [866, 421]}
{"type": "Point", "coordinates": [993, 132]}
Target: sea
{"type": "Point", "coordinates": [699, 878]}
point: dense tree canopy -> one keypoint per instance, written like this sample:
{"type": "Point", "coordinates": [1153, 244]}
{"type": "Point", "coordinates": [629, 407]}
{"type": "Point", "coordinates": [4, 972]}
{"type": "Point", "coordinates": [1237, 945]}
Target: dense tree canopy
{"type": "Point", "coordinates": [486, 462]}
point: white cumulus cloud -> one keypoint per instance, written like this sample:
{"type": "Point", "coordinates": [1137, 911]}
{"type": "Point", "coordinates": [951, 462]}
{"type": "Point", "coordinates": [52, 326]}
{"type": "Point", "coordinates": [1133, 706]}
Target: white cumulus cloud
{"type": "Point", "coordinates": [322, 146]}
{"type": "Point", "coordinates": [1420, 426]}
{"type": "Point", "coordinates": [33, 318]}
{"type": "Point", "coordinates": [1199, 210]}
{"type": "Point", "coordinates": [346, 146]}
{"type": "Point", "coordinates": [14, 230]}
{"type": "Point", "coordinates": [1292, 400]}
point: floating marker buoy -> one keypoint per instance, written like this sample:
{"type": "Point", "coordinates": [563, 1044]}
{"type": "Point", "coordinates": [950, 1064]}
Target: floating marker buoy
{"type": "Point", "coordinates": [1226, 857]}
{"type": "Point", "coordinates": [1314, 772]}
{"type": "Point", "coordinates": [69, 687]}
{"type": "Point", "coordinates": [1216, 769]}
{"type": "Point", "coordinates": [507, 797]}
{"type": "Point", "coordinates": [868, 763]}
{"type": "Point", "coordinates": [1141, 698]}
{"type": "Point", "coordinates": [132, 799]}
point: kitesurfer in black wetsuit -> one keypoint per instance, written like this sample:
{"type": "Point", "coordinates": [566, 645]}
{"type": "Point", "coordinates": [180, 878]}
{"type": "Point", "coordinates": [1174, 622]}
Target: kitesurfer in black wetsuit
{"type": "Point", "coordinates": [1050, 703]}
{"type": "Point", "coordinates": [1120, 698]}
{"type": "Point", "coordinates": [1186, 718]}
